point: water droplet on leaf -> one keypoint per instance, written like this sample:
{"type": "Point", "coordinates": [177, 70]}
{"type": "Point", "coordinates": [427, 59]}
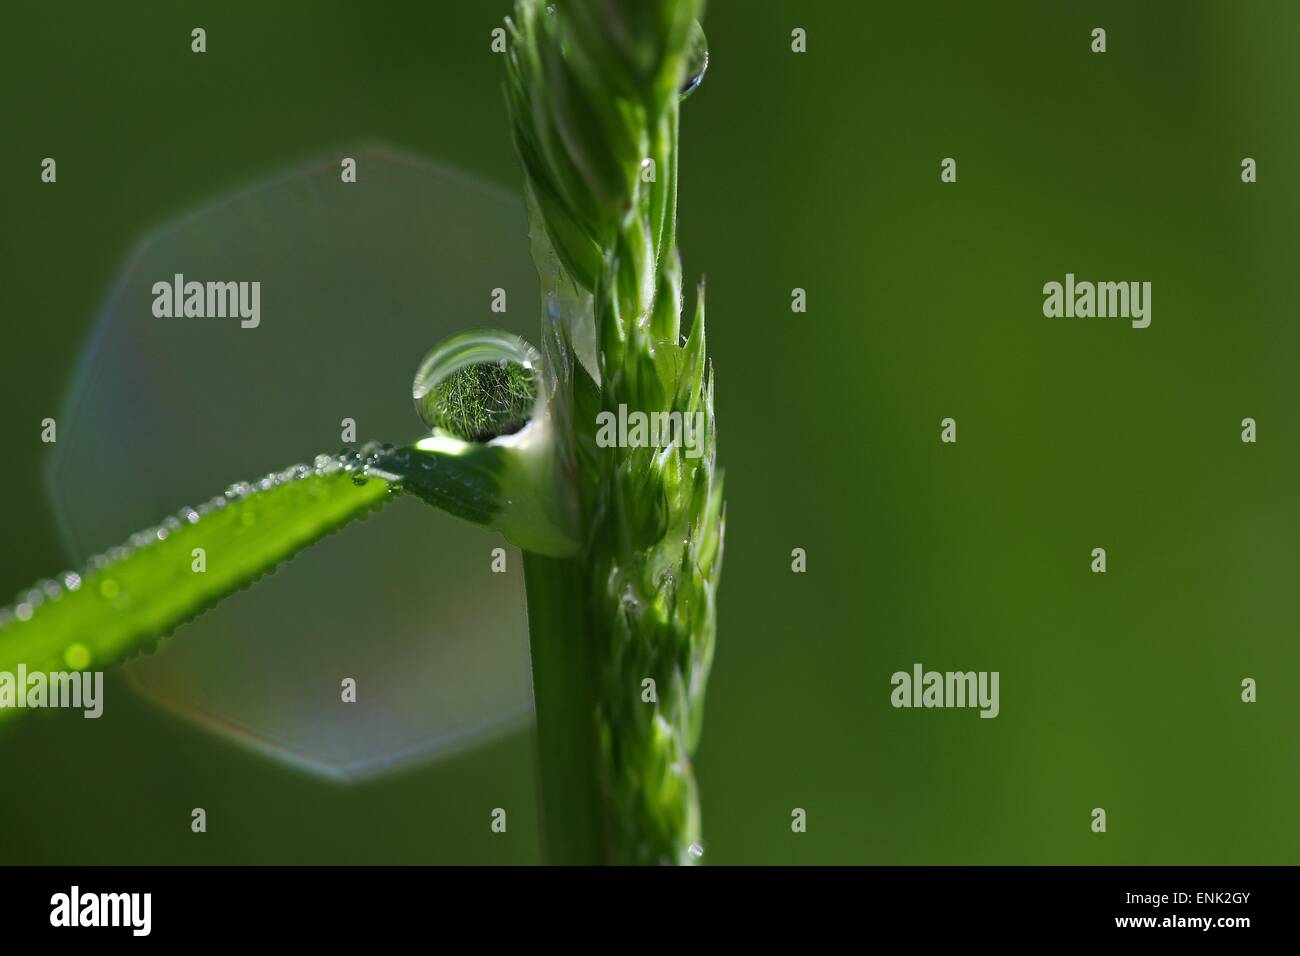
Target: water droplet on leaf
{"type": "Point", "coordinates": [697, 60]}
{"type": "Point", "coordinates": [478, 385]}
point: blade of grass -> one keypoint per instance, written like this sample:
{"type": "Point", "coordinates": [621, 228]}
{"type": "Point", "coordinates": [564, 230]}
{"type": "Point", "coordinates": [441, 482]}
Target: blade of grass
{"type": "Point", "coordinates": [100, 615]}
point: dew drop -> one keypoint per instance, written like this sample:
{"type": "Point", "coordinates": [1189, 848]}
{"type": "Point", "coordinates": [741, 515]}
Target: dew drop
{"type": "Point", "coordinates": [697, 60]}
{"type": "Point", "coordinates": [23, 611]}
{"type": "Point", "coordinates": [478, 385]}
{"type": "Point", "coordinates": [109, 589]}
{"type": "Point", "coordinates": [695, 851]}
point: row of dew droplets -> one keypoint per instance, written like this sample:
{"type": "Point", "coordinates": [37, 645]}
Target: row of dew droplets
{"type": "Point", "coordinates": [360, 464]}
{"type": "Point", "coordinates": [356, 463]}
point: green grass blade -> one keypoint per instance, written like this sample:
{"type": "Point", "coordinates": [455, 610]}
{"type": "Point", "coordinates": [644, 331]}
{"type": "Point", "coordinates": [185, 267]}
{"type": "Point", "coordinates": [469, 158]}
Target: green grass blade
{"type": "Point", "coordinates": [138, 594]}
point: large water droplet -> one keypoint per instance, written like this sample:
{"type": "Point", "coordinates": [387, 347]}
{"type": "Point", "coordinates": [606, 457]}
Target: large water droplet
{"type": "Point", "coordinates": [697, 60]}
{"type": "Point", "coordinates": [478, 385]}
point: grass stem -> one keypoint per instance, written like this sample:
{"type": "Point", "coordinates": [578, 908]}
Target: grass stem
{"type": "Point", "coordinates": [564, 689]}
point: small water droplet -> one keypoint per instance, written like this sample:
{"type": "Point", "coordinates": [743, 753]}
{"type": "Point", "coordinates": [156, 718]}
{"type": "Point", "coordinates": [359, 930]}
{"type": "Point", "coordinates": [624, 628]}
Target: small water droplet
{"type": "Point", "coordinates": [695, 851]}
{"type": "Point", "coordinates": [629, 598]}
{"type": "Point", "coordinates": [697, 60]}
{"type": "Point", "coordinates": [23, 611]}
{"type": "Point", "coordinates": [109, 589]}
{"type": "Point", "coordinates": [71, 580]}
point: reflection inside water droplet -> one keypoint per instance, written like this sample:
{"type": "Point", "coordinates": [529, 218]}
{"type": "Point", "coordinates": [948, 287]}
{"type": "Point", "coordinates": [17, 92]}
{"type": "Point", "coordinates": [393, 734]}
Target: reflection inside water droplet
{"type": "Point", "coordinates": [478, 385]}
{"type": "Point", "coordinates": [697, 61]}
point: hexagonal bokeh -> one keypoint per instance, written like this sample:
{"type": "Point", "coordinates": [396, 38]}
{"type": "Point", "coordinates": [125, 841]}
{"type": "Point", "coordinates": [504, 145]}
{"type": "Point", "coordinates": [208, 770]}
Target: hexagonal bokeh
{"type": "Point", "coordinates": [358, 281]}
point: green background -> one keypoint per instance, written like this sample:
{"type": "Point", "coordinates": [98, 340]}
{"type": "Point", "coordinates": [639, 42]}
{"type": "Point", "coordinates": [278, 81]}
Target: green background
{"type": "Point", "coordinates": [819, 171]}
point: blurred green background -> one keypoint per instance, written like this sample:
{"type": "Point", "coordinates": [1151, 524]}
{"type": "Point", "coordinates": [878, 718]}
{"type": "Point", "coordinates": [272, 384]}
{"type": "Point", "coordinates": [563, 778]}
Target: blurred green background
{"type": "Point", "coordinates": [819, 171]}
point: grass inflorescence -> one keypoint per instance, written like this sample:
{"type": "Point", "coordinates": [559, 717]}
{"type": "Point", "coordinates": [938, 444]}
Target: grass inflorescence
{"type": "Point", "coordinates": [594, 89]}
